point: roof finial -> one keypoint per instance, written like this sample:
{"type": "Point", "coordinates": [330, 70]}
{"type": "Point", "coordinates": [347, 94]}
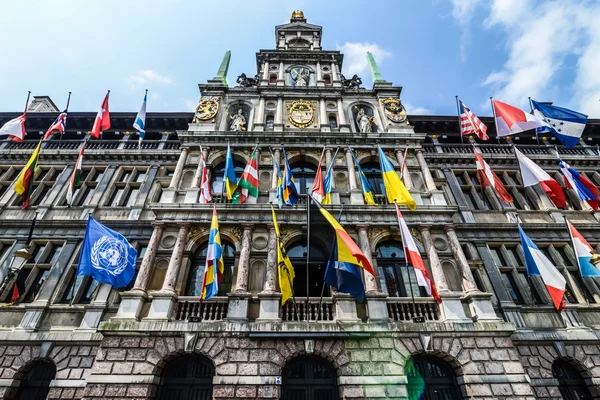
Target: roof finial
{"type": "Point", "coordinates": [222, 72]}
{"type": "Point", "coordinates": [297, 15]}
{"type": "Point", "coordinates": [375, 74]}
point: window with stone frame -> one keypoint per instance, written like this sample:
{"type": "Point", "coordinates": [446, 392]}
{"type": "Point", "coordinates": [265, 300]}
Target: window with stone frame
{"type": "Point", "coordinates": [218, 172]}
{"type": "Point", "coordinates": [531, 290]}
{"type": "Point", "coordinates": [514, 185]}
{"type": "Point", "coordinates": [269, 122]}
{"type": "Point", "coordinates": [126, 186]}
{"type": "Point", "coordinates": [90, 177]}
{"type": "Point", "coordinates": [43, 181]}
{"type": "Point", "coordinates": [573, 201]}
{"type": "Point", "coordinates": [7, 177]}
{"type": "Point", "coordinates": [45, 255]}
{"type": "Point", "coordinates": [161, 182]}
{"type": "Point", "coordinates": [396, 277]}
{"type": "Point", "coordinates": [473, 194]}
{"type": "Point", "coordinates": [476, 266]}
{"type": "Point", "coordinates": [78, 289]}
{"type": "Point", "coordinates": [6, 247]}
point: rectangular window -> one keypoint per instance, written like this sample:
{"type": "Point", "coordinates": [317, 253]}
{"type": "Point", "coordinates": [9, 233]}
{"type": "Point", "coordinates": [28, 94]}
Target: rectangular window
{"type": "Point", "coordinates": [497, 257]}
{"type": "Point", "coordinates": [116, 197]}
{"type": "Point", "coordinates": [511, 286]}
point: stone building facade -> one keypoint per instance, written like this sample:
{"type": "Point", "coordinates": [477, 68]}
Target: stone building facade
{"type": "Point", "coordinates": [495, 335]}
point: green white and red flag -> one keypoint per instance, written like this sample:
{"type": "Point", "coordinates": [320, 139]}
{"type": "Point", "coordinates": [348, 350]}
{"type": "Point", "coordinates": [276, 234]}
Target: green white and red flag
{"type": "Point", "coordinates": [248, 183]}
{"type": "Point", "coordinates": [75, 182]}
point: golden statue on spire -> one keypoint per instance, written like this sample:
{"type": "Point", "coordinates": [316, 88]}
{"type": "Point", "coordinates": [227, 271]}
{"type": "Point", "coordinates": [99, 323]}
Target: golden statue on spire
{"type": "Point", "coordinates": [297, 14]}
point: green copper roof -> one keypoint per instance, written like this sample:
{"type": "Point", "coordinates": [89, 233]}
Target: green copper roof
{"type": "Point", "coordinates": [222, 72]}
{"type": "Point", "coordinates": [375, 74]}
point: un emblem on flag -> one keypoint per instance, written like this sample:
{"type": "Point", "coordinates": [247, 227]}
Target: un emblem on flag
{"type": "Point", "coordinates": [109, 255]}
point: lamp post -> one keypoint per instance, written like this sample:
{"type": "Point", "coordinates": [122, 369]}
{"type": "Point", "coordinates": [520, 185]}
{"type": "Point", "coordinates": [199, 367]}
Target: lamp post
{"type": "Point", "coordinates": [19, 259]}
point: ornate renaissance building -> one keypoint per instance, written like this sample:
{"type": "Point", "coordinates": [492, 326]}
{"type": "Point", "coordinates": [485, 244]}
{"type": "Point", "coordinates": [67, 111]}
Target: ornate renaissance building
{"type": "Point", "coordinates": [494, 335]}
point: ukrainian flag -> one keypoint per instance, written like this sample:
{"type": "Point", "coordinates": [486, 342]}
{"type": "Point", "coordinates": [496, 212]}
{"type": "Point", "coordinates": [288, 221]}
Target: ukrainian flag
{"type": "Point", "coordinates": [367, 191]}
{"type": "Point", "coordinates": [285, 270]}
{"type": "Point", "coordinates": [327, 186]}
{"type": "Point", "coordinates": [394, 188]}
{"type": "Point", "coordinates": [214, 268]}
{"type": "Point", "coordinates": [287, 187]}
{"type": "Point", "coordinates": [343, 268]}
{"type": "Point", "coordinates": [229, 180]}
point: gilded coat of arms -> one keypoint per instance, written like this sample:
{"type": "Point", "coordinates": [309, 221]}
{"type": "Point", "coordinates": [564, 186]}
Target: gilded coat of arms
{"type": "Point", "coordinates": [394, 110]}
{"type": "Point", "coordinates": [301, 113]}
{"type": "Point", "coordinates": [207, 109]}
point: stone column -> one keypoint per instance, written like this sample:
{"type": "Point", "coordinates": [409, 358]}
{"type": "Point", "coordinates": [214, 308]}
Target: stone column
{"type": "Point", "coordinates": [323, 120]}
{"type": "Point", "coordinates": [279, 114]}
{"type": "Point", "coordinates": [269, 297]}
{"type": "Point", "coordinates": [259, 119]}
{"type": "Point", "coordinates": [175, 262]}
{"type": "Point", "coordinates": [406, 178]}
{"type": "Point", "coordinates": [376, 300]}
{"type": "Point", "coordinates": [341, 115]}
{"type": "Point", "coordinates": [329, 161]}
{"type": "Point", "coordinates": [266, 71]}
{"type": "Point", "coordinates": [351, 171]}
{"type": "Point", "coordinates": [198, 175]}
{"type": "Point", "coordinates": [241, 282]}
{"type": "Point", "coordinates": [276, 156]}
{"type": "Point", "coordinates": [434, 261]}
{"type": "Point", "coordinates": [467, 279]}
{"type": "Point", "coordinates": [147, 266]}
{"type": "Point", "coordinates": [280, 75]}
{"type": "Point", "coordinates": [425, 171]}
{"type": "Point", "coordinates": [179, 168]}
{"type": "Point", "coordinates": [334, 72]}
{"type": "Point", "coordinates": [363, 240]}
{"type": "Point", "coordinates": [319, 75]}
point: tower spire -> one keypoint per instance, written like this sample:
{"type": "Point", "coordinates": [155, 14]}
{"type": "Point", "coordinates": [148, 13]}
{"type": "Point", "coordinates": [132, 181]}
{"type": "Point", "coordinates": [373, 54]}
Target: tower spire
{"type": "Point", "coordinates": [375, 74]}
{"type": "Point", "coordinates": [222, 72]}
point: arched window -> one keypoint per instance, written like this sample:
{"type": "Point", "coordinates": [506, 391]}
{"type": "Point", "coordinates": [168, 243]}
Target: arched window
{"type": "Point", "coordinates": [188, 377]}
{"type": "Point", "coordinates": [316, 267]}
{"type": "Point", "coordinates": [333, 121]}
{"type": "Point", "coordinates": [272, 79]}
{"type": "Point", "coordinates": [571, 383]}
{"type": "Point", "coordinates": [35, 383]}
{"type": "Point", "coordinates": [327, 79]}
{"type": "Point", "coordinates": [430, 378]}
{"type": "Point", "coordinates": [304, 176]}
{"type": "Point", "coordinates": [395, 276]}
{"type": "Point", "coordinates": [196, 274]}
{"type": "Point", "coordinates": [218, 172]}
{"type": "Point", "coordinates": [269, 123]}
{"type": "Point", "coordinates": [372, 171]}
{"type": "Point", "coordinates": [309, 378]}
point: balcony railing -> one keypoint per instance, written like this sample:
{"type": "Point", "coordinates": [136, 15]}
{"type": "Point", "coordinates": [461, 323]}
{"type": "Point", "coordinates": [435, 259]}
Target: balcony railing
{"type": "Point", "coordinates": [506, 149]}
{"type": "Point", "coordinates": [313, 311]}
{"type": "Point", "coordinates": [404, 310]}
{"type": "Point", "coordinates": [191, 309]}
{"type": "Point", "coordinates": [93, 145]}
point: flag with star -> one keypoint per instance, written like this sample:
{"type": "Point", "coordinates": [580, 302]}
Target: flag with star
{"type": "Point", "coordinates": [567, 125]}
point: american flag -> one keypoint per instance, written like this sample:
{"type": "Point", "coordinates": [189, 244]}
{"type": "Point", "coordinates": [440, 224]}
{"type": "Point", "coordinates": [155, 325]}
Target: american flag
{"type": "Point", "coordinates": [470, 124]}
{"type": "Point", "coordinates": [59, 124]}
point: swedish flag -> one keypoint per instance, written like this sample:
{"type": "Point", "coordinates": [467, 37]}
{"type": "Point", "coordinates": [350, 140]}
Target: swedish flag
{"type": "Point", "coordinates": [285, 270]}
{"type": "Point", "coordinates": [214, 267]}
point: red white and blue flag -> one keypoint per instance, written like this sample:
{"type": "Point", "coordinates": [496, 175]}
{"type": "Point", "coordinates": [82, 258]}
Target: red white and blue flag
{"type": "Point", "coordinates": [59, 124]}
{"type": "Point", "coordinates": [583, 252]}
{"type": "Point", "coordinates": [510, 120]}
{"type": "Point", "coordinates": [536, 263]}
{"type": "Point", "coordinates": [532, 174]}
{"type": "Point", "coordinates": [488, 178]}
{"type": "Point", "coordinates": [585, 189]}
{"type": "Point", "coordinates": [470, 124]}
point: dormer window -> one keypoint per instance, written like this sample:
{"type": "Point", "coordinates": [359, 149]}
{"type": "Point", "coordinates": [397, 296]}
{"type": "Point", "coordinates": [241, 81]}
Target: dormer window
{"type": "Point", "coordinates": [327, 79]}
{"type": "Point", "coordinates": [272, 79]}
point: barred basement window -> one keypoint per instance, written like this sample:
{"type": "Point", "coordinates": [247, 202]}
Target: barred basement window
{"type": "Point", "coordinates": [90, 177]}
{"type": "Point", "coordinates": [45, 255]}
{"type": "Point", "coordinates": [44, 180]}
{"type": "Point", "coordinates": [127, 187]}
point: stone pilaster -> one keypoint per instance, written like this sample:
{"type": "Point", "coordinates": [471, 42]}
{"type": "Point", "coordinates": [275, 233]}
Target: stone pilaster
{"type": "Point", "coordinates": [323, 119]}
{"type": "Point", "coordinates": [356, 194]}
{"type": "Point", "coordinates": [429, 183]}
{"type": "Point", "coordinates": [342, 124]}
{"type": "Point", "coordinates": [376, 301]}
{"type": "Point", "coordinates": [270, 298]}
{"type": "Point", "coordinates": [179, 168]}
{"type": "Point", "coordinates": [279, 115]}
{"type": "Point", "coordinates": [406, 176]}
{"type": "Point", "coordinates": [467, 279]}
{"type": "Point", "coordinates": [241, 282]}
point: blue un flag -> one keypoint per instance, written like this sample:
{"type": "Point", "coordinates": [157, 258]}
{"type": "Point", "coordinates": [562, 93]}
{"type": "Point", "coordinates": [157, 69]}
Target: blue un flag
{"type": "Point", "coordinates": [106, 255]}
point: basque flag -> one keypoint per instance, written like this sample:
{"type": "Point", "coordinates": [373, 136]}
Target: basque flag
{"type": "Point", "coordinates": [536, 263]}
{"type": "Point", "coordinates": [583, 252]}
{"type": "Point", "coordinates": [532, 174]}
{"type": "Point", "coordinates": [488, 178]}
{"type": "Point", "coordinates": [585, 189]}
{"type": "Point", "coordinates": [511, 119]}
{"type": "Point", "coordinates": [567, 125]}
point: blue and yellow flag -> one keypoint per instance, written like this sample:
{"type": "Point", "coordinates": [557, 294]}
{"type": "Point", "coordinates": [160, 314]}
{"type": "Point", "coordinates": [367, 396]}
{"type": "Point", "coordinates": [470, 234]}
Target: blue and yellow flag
{"type": "Point", "coordinates": [289, 193]}
{"type": "Point", "coordinates": [229, 180]}
{"type": "Point", "coordinates": [343, 268]}
{"type": "Point", "coordinates": [366, 187]}
{"type": "Point", "coordinates": [395, 190]}
{"type": "Point", "coordinates": [285, 270]}
{"type": "Point", "coordinates": [214, 267]}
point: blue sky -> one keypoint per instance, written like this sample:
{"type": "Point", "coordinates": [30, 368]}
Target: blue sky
{"type": "Point", "coordinates": [435, 49]}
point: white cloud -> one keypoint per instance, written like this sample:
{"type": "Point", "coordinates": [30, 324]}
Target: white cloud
{"type": "Point", "coordinates": [148, 77]}
{"type": "Point", "coordinates": [417, 110]}
{"type": "Point", "coordinates": [542, 40]}
{"type": "Point", "coordinates": [154, 96]}
{"type": "Point", "coordinates": [462, 12]}
{"type": "Point", "coordinates": [355, 57]}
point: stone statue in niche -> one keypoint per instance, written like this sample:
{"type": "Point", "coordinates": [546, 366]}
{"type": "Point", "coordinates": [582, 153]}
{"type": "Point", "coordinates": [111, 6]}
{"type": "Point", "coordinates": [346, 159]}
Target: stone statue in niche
{"type": "Point", "coordinates": [355, 82]}
{"type": "Point", "coordinates": [364, 121]}
{"type": "Point", "coordinates": [238, 121]}
{"type": "Point", "coordinates": [244, 81]}
{"type": "Point", "coordinates": [300, 76]}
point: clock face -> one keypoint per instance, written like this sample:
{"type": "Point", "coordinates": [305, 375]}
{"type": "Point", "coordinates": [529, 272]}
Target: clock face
{"type": "Point", "coordinates": [301, 113]}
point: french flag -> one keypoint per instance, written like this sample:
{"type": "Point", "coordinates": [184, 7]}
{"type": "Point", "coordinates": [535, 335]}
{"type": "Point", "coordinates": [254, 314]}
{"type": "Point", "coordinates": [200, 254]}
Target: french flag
{"type": "Point", "coordinates": [511, 120]}
{"type": "Point", "coordinates": [536, 263]}
{"type": "Point", "coordinates": [585, 189]}
{"type": "Point", "coordinates": [583, 252]}
{"type": "Point", "coordinates": [318, 189]}
{"type": "Point", "coordinates": [488, 178]}
{"type": "Point", "coordinates": [413, 256]}
{"type": "Point", "coordinates": [532, 174]}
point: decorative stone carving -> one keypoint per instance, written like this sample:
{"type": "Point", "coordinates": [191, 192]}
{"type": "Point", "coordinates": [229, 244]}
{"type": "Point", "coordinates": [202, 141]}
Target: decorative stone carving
{"type": "Point", "coordinates": [234, 232]}
{"type": "Point", "coordinates": [237, 121]}
{"type": "Point", "coordinates": [351, 83]}
{"type": "Point", "coordinates": [244, 81]}
{"type": "Point", "coordinates": [300, 76]}
{"type": "Point", "coordinates": [260, 242]}
{"type": "Point", "coordinates": [197, 232]}
{"type": "Point", "coordinates": [207, 109]}
{"type": "Point", "coordinates": [364, 121]}
{"type": "Point", "coordinates": [375, 234]}
{"type": "Point", "coordinates": [394, 110]}
{"type": "Point", "coordinates": [301, 113]}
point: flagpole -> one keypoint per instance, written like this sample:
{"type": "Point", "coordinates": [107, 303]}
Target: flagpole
{"type": "Point", "coordinates": [27, 102]}
{"type": "Point", "coordinates": [537, 138]}
{"type": "Point", "coordinates": [102, 131]}
{"type": "Point", "coordinates": [495, 121]}
{"type": "Point", "coordinates": [309, 199]}
{"type": "Point", "coordinates": [404, 247]}
{"type": "Point", "coordinates": [578, 263]}
{"type": "Point", "coordinates": [330, 256]}
{"type": "Point", "coordinates": [459, 123]}
{"type": "Point", "coordinates": [403, 163]}
{"type": "Point", "coordinates": [66, 109]}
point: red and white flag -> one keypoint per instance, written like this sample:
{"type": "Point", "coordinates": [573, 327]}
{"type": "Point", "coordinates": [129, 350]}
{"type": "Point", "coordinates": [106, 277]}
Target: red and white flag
{"type": "Point", "coordinates": [488, 178]}
{"type": "Point", "coordinates": [318, 189]}
{"type": "Point", "coordinates": [413, 256]}
{"type": "Point", "coordinates": [15, 128]}
{"type": "Point", "coordinates": [510, 120]}
{"type": "Point", "coordinates": [102, 121]}
{"type": "Point", "coordinates": [532, 174]}
{"type": "Point", "coordinates": [470, 124]}
{"type": "Point", "coordinates": [205, 191]}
